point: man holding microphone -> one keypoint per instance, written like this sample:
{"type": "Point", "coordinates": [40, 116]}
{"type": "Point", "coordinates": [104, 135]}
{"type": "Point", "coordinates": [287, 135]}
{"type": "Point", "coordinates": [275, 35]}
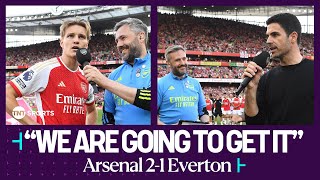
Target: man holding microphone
{"type": "Point", "coordinates": [127, 96]}
{"type": "Point", "coordinates": [272, 98]}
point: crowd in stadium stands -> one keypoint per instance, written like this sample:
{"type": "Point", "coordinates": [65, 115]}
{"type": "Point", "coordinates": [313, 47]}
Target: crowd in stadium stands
{"type": "Point", "coordinates": [213, 34]}
{"type": "Point", "coordinates": [99, 97]}
{"type": "Point", "coordinates": [307, 44]}
{"type": "Point", "coordinates": [211, 59]}
{"type": "Point", "coordinates": [102, 48]}
{"type": "Point", "coordinates": [207, 72]}
{"type": "Point", "coordinates": [29, 55]}
{"type": "Point", "coordinates": [221, 91]}
{"type": "Point", "coordinates": [194, 33]}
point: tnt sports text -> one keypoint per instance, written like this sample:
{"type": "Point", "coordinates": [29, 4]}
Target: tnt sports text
{"type": "Point", "coordinates": [38, 113]}
{"type": "Point", "coordinates": [19, 113]}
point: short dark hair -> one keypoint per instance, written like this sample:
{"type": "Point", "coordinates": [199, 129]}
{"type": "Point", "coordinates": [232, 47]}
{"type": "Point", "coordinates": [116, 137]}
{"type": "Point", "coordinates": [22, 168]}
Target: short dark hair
{"type": "Point", "coordinates": [288, 22]}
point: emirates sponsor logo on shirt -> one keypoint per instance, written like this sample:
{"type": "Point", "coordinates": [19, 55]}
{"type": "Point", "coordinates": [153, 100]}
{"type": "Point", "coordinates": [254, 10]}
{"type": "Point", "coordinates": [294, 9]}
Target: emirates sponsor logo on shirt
{"type": "Point", "coordinates": [71, 104]}
{"type": "Point", "coordinates": [62, 99]}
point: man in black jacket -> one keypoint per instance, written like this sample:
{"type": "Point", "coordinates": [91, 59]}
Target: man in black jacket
{"type": "Point", "coordinates": [273, 98]}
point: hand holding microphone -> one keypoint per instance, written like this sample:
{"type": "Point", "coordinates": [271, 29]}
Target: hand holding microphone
{"type": "Point", "coordinates": [93, 74]}
{"type": "Point", "coordinates": [138, 97]}
{"type": "Point", "coordinates": [253, 72]}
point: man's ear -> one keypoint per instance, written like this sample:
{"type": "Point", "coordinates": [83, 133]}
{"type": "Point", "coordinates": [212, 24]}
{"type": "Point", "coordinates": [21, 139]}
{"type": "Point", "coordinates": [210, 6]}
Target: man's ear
{"type": "Point", "coordinates": [167, 58]}
{"type": "Point", "coordinates": [141, 36]}
{"type": "Point", "coordinates": [294, 37]}
{"type": "Point", "coordinates": [61, 42]}
{"type": "Point", "coordinates": [168, 63]}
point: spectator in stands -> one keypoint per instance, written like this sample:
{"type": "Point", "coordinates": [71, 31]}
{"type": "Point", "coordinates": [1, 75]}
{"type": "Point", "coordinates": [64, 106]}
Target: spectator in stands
{"type": "Point", "coordinates": [131, 36]}
{"type": "Point", "coordinates": [272, 100]}
{"type": "Point", "coordinates": [62, 92]}
{"type": "Point", "coordinates": [180, 97]}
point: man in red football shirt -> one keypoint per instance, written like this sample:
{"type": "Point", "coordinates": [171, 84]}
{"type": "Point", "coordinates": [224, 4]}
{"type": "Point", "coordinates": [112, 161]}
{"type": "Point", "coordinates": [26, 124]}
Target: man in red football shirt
{"type": "Point", "coordinates": [226, 106]}
{"type": "Point", "coordinates": [63, 95]}
{"type": "Point", "coordinates": [236, 103]}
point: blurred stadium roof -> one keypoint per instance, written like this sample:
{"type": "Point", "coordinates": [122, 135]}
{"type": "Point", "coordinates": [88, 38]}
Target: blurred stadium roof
{"type": "Point", "coordinates": [12, 11]}
{"type": "Point", "coordinates": [45, 20]}
{"type": "Point", "coordinates": [242, 10]}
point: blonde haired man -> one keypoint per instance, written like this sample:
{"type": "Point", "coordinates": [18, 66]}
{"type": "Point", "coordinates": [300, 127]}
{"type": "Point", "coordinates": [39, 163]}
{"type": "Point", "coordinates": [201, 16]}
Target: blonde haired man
{"type": "Point", "coordinates": [58, 83]}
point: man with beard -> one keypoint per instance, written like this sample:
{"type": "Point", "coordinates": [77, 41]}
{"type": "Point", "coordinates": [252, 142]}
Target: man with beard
{"type": "Point", "coordinates": [180, 96]}
{"type": "Point", "coordinates": [273, 98]}
{"type": "Point", "coordinates": [131, 37]}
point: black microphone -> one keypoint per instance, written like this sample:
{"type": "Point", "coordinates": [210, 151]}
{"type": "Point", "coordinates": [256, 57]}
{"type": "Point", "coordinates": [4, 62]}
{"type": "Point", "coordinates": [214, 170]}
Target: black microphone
{"type": "Point", "coordinates": [261, 60]}
{"type": "Point", "coordinates": [84, 57]}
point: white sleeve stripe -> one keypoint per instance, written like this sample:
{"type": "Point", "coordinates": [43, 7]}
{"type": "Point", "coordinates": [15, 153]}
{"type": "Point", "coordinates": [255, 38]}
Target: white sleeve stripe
{"type": "Point", "coordinates": [39, 81]}
{"type": "Point", "coordinates": [43, 65]}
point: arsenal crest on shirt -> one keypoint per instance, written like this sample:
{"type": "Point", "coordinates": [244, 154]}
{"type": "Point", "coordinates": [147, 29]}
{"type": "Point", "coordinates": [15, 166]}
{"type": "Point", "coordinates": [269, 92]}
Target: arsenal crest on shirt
{"type": "Point", "coordinates": [84, 87]}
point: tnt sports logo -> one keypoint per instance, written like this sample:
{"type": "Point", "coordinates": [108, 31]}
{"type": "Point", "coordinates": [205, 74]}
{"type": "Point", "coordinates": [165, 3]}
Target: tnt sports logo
{"type": "Point", "coordinates": [18, 112]}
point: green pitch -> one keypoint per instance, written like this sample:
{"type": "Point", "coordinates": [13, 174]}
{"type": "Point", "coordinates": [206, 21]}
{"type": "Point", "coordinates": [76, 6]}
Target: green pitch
{"type": "Point", "coordinates": [218, 120]}
{"type": "Point", "coordinates": [99, 121]}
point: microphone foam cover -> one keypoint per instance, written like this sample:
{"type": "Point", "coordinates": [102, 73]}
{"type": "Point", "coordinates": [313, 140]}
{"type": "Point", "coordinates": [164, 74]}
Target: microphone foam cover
{"type": "Point", "coordinates": [83, 55]}
{"type": "Point", "coordinates": [262, 58]}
